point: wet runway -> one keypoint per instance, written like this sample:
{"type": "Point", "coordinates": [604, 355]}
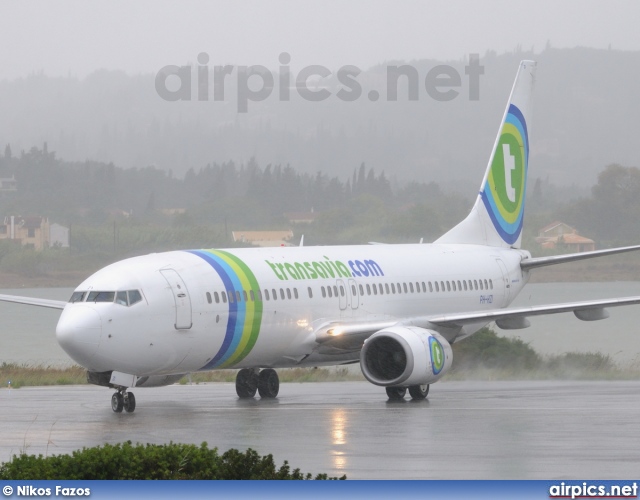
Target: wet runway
{"type": "Point", "coordinates": [465, 430]}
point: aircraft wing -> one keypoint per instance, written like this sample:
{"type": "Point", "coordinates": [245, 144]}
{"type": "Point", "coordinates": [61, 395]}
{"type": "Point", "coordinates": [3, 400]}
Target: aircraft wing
{"type": "Point", "coordinates": [586, 310]}
{"type": "Point", "coordinates": [343, 335]}
{"type": "Point", "coordinates": [33, 301]}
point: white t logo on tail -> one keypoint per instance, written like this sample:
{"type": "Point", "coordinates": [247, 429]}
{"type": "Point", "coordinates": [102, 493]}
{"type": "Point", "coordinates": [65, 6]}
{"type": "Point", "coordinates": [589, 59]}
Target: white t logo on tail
{"type": "Point", "coordinates": [509, 165]}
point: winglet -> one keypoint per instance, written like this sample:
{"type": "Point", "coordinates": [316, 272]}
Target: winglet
{"type": "Point", "coordinates": [497, 216]}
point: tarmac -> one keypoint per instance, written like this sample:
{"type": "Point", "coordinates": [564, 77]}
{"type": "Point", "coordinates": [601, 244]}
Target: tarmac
{"type": "Point", "coordinates": [464, 430]}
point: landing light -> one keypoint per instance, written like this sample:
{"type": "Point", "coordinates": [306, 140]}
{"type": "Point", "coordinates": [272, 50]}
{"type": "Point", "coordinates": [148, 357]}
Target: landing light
{"type": "Point", "coordinates": [335, 332]}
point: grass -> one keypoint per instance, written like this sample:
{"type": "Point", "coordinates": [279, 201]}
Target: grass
{"type": "Point", "coordinates": [568, 366]}
{"type": "Point", "coordinates": [24, 375]}
{"type": "Point", "coordinates": [16, 375]}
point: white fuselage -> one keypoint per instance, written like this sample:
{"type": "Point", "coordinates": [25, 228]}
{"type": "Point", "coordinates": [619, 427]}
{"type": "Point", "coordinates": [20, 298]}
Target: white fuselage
{"type": "Point", "coordinates": [187, 321]}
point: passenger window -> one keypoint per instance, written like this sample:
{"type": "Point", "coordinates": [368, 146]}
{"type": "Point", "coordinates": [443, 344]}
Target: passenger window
{"type": "Point", "coordinates": [411, 287]}
{"type": "Point", "coordinates": [417, 287]}
{"type": "Point", "coordinates": [491, 284]}
{"type": "Point", "coordinates": [224, 297]}
{"type": "Point", "coordinates": [354, 291]}
{"type": "Point", "coordinates": [238, 296]}
{"type": "Point", "coordinates": [335, 290]}
{"type": "Point", "coordinates": [324, 294]}
{"type": "Point", "coordinates": [361, 289]}
{"type": "Point", "coordinates": [289, 293]}
{"type": "Point", "coordinates": [259, 292]}
{"type": "Point", "coordinates": [437, 287]}
{"type": "Point", "coordinates": [216, 295]}
{"type": "Point", "coordinates": [442, 286]}
{"type": "Point", "coordinates": [368, 289]}
{"type": "Point", "coordinates": [231, 297]}
{"type": "Point", "coordinates": [399, 288]}
{"type": "Point", "coordinates": [375, 289]}
{"type": "Point", "coordinates": [486, 285]}
{"type": "Point", "coordinates": [266, 293]}
{"type": "Point", "coordinates": [341, 291]}
{"type": "Point", "coordinates": [77, 297]}
{"type": "Point", "coordinates": [252, 296]}
{"type": "Point", "coordinates": [310, 292]}
{"type": "Point", "coordinates": [475, 284]}
{"type": "Point", "coordinates": [282, 294]}
{"type": "Point", "coordinates": [121, 298]}
{"type": "Point", "coordinates": [380, 289]}
{"type": "Point", "coordinates": [404, 285]}
{"type": "Point", "coordinates": [274, 294]}
{"type": "Point", "coordinates": [464, 282]}
{"type": "Point", "coordinates": [393, 288]}
{"type": "Point", "coordinates": [295, 293]}
{"type": "Point", "coordinates": [424, 287]}
{"type": "Point", "coordinates": [386, 288]}
{"type": "Point", "coordinates": [246, 297]}
{"type": "Point", "coordinates": [329, 292]}
{"type": "Point", "coordinates": [453, 285]}
{"type": "Point", "coordinates": [430, 287]}
{"type": "Point", "coordinates": [481, 285]}
{"type": "Point", "coordinates": [459, 286]}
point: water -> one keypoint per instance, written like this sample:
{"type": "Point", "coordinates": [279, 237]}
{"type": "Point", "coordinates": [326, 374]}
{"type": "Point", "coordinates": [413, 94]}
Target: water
{"type": "Point", "coordinates": [27, 334]}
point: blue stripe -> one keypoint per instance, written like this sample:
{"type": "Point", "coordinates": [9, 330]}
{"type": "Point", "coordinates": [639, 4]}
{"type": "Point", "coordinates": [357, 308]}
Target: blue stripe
{"type": "Point", "coordinates": [237, 310]}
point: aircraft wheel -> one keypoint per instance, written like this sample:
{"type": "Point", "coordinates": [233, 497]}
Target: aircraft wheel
{"type": "Point", "coordinates": [268, 383]}
{"type": "Point", "coordinates": [396, 393]}
{"type": "Point", "coordinates": [129, 402]}
{"type": "Point", "coordinates": [419, 391]}
{"type": "Point", "coordinates": [117, 402]}
{"type": "Point", "coordinates": [246, 383]}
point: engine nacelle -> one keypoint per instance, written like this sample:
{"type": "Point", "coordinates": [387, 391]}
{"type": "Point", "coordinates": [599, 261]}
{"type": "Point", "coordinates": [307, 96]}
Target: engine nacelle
{"type": "Point", "coordinates": [405, 356]}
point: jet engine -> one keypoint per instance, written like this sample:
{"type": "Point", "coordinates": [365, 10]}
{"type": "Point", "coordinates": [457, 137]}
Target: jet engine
{"type": "Point", "coordinates": [405, 356]}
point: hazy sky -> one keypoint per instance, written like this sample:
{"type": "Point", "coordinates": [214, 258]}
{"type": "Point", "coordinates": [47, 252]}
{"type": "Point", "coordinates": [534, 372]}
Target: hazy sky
{"type": "Point", "coordinates": [78, 37]}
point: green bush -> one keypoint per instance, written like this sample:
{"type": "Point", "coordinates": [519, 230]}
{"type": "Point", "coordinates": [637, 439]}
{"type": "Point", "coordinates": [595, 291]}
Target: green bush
{"type": "Point", "coordinates": [486, 349]}
{"type": "Point", "coordinates": [151, 461]}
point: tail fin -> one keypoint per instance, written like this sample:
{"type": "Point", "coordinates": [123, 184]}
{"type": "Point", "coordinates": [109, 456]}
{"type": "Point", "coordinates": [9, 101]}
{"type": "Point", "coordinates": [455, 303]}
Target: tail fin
{"type": "Point", "coordinates": [496, 218]}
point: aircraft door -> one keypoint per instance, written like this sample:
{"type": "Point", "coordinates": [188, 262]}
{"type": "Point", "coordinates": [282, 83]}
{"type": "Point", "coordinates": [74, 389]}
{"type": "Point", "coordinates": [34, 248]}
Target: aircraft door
{"type": "Point", "coordinates": [353, 293]}
{"type": "Point", "coordinates": [181, 298]}
{"type": "Point", "coordinates": [506, 282]}
{"type": "Point", "coordinates": [343, 294]}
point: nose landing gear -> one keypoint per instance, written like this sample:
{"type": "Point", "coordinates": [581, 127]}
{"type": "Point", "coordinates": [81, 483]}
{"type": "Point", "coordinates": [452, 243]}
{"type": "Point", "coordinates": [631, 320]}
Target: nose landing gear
{"type": "Point", "coordinates": [265, 382]}
{"type": "Point", "coordinates": [123, 400]}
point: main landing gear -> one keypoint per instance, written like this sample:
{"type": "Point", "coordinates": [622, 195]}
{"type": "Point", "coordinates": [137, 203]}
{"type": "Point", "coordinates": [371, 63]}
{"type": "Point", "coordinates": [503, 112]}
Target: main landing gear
{"type": "Point", "coordinates": [265, 382]}
{"type": "Point", "coordinates": [417, 392]}
{"type": "Point", "coordinates": [123, 400]}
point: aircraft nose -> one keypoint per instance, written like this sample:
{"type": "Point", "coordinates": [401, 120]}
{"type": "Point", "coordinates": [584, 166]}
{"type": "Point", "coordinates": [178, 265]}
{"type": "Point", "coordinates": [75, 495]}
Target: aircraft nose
{"type": "Point", "coordinates": [78, 332]}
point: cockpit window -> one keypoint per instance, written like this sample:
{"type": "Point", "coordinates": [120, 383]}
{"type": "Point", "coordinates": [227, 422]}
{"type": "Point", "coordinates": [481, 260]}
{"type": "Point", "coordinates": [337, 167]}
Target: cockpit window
{"type": "Point", "coordinates": [121, 298]}
{"type": "Point", "coordinates": [77, 297]}
{"type": "Point", "coordinates": [134, 296]}
{"type": "Point", "coordinates": [124, 297]}
{"type": "Point", "coordinates": [101, 296]}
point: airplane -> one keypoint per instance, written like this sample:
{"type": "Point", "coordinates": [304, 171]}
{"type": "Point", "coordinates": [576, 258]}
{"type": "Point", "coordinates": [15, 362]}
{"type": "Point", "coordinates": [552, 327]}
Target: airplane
{"type": "Point", "coordinates": [147, 321]}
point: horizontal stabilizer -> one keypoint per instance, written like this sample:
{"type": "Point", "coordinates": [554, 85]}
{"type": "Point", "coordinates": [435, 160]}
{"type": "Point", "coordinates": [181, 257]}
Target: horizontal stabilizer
{"type": "Point", "coordinates": [572, 257]}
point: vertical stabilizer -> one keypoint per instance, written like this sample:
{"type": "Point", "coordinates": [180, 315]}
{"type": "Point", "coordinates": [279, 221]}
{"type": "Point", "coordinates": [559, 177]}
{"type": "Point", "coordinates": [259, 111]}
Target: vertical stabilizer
{"type": "Point", "coordinates": [497, 216]}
